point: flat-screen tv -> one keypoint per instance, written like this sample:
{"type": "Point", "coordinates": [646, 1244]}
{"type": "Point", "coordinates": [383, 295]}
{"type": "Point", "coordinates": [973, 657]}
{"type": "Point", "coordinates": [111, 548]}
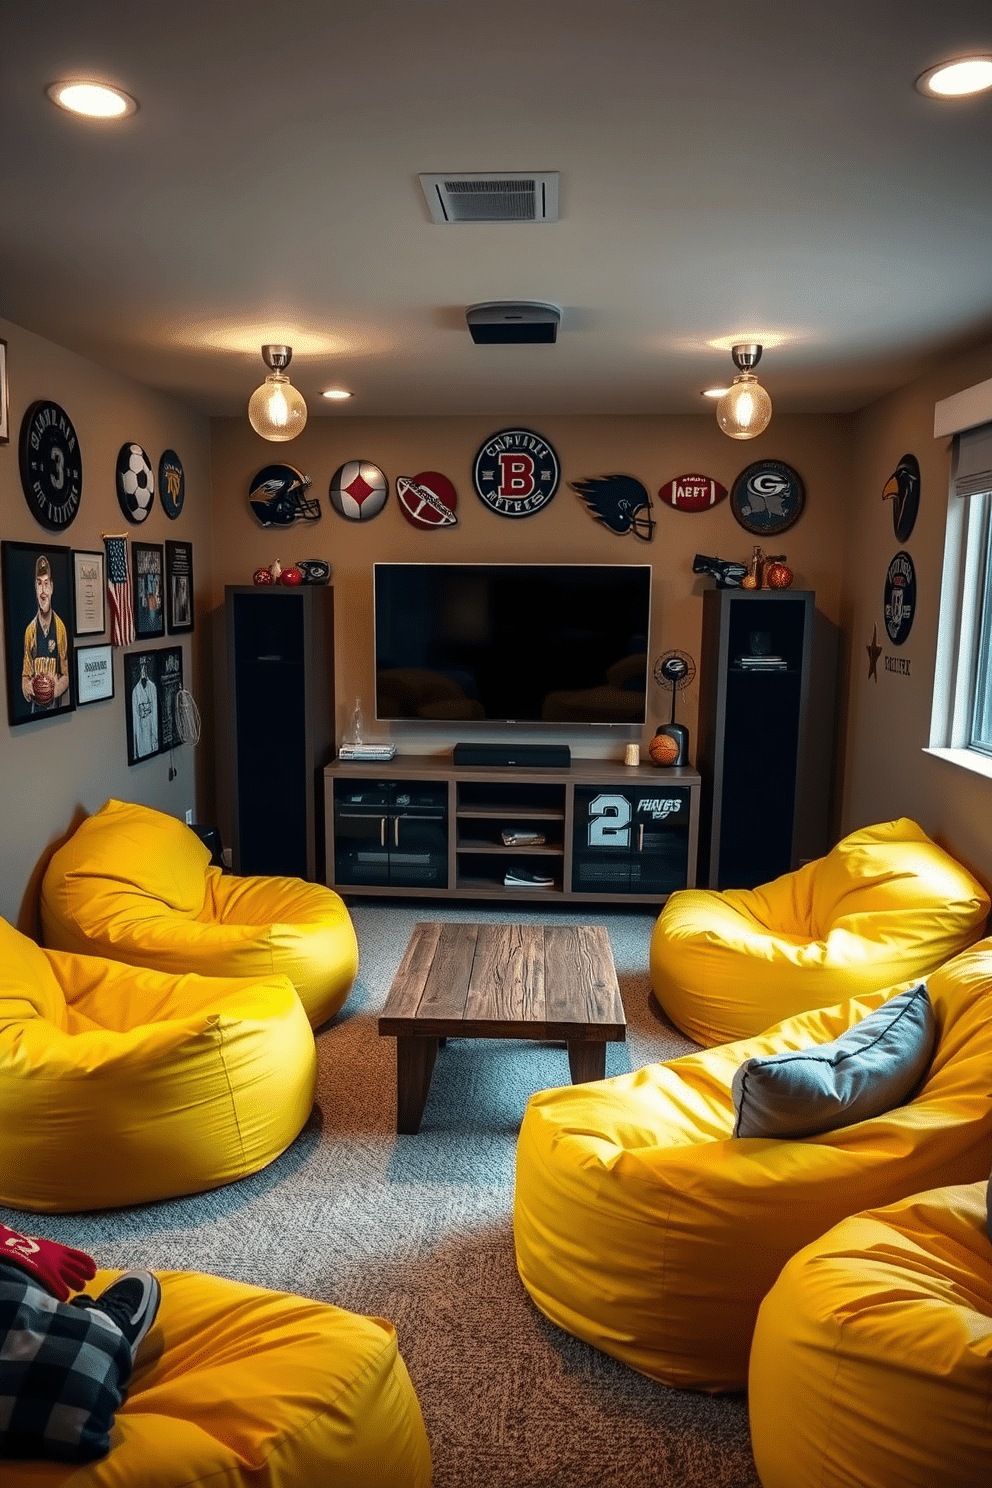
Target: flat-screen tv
{"type": "Point", "coordinates": [499, 643]}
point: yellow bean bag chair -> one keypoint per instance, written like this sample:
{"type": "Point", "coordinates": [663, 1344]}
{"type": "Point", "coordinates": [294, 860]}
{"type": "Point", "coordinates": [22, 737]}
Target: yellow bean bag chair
{"type": "Point", "coordinates": [872, 1356]}
{"type": "Point", "coordinates": [235, 1385]}
{"type": "Point", "coordinates": [643, 1226]}
{"type": "Point", "coordinates": [137, 885]}
{"type": "Point", "coordinates": [885, 904]}
{"type": "Point", "coordinates": [119, 1085]}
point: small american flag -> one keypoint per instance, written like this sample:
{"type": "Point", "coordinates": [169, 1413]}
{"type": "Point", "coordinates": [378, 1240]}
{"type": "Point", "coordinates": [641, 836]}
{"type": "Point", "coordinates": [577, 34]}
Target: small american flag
{"type": "Point", "coordinates": [119, 591]}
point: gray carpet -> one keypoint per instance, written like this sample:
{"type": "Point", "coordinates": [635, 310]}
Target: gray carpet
{"type": "Point", "coordinates": [418, 1230]}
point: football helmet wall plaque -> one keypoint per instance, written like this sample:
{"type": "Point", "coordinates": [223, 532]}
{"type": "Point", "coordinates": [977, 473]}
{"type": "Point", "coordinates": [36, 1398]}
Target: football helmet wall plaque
{"type": "Point", "coordinates": [278, 497]}
{"type": "Point", "coordinates": [620, 502]}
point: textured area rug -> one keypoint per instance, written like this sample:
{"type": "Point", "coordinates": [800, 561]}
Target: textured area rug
{"type": "Point", "coordinates": [417, 1229]}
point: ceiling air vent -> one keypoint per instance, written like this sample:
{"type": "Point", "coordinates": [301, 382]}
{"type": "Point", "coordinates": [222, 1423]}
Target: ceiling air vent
{"type": "Point", "coordinates": [493, 196]}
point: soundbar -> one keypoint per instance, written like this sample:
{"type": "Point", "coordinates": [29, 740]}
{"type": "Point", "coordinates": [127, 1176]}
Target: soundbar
{"type": "Point", "coordinates": [540, 756]}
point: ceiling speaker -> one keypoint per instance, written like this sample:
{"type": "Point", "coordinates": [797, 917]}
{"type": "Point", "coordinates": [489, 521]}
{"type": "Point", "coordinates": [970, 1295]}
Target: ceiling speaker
{"type": "Point", "coordinates": [505, 323]}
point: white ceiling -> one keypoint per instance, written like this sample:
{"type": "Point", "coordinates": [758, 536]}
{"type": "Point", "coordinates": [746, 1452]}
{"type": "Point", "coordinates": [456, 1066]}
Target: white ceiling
{"type": "Point", "coordinates": [733, 169]}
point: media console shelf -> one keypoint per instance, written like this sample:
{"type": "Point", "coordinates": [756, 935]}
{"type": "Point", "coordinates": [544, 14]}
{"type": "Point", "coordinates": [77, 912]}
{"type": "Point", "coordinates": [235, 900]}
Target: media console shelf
{"type": "Point", "coordinates": [597, 831]}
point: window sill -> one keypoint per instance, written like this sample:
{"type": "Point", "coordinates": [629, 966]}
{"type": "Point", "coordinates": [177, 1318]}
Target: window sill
{"type": "Point", "coordinates": [968, 759]}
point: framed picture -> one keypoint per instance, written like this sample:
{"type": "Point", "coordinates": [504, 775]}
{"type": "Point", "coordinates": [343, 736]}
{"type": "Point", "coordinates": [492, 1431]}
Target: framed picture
{"type": "Point", "coordinates": [94, 673]}
{"type": "Point", "coordinates": [37, 593]}
{"type": "Point", "coordinates": [170, 684]}
{"type": "Point", "coordinates": [141, 705]}
{"type": "Point", "coordinates": [4, 397]}
{"type": "Point", "coordinates": [89, 594]}
{"type": "Point", "coordinates": [149, 611]}
{"type": "Point", "coordinates": [179, 587]}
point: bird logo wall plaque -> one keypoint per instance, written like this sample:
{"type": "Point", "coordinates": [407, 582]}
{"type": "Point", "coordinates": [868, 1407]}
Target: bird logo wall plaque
{"type": "Point", "coordinates": [171, 483]}
{"type": "Point", "coordinates": [903, 489]}
{"type": "Point", "coordinates": [620, 502]}
{"type": "Point", "coordinates": [516, 473]}
{"type": "Point", "coordinates": [900, 598]}
{"type": "Point", "coordinates": [358, 490]}
{"type": "Point", "coordinates": [427, 500]}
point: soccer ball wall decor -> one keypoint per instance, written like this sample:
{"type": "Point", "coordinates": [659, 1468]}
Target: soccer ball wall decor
{"type": "Point", "coordinates": [135, 482]}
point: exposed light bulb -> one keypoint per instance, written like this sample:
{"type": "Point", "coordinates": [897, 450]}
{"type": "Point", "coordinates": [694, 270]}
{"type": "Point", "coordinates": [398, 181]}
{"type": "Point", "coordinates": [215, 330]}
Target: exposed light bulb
{"type": "Point", "coordinates": [276, 410]}
{"type": "Point", "coordinates": [745, 409]}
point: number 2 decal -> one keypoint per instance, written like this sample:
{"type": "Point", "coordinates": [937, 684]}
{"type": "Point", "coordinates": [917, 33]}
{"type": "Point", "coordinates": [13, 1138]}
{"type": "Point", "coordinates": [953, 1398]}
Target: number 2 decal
{"type": "Point", "coordinates": [609, 821]}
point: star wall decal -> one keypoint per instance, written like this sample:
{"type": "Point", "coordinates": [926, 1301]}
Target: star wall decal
{"type": "Point", "coordinates": [874, 652]}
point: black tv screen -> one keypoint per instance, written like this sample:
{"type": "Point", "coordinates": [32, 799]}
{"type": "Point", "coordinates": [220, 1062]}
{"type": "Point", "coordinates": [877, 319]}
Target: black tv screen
{"type": "Point", "coordinates": [512, 642]}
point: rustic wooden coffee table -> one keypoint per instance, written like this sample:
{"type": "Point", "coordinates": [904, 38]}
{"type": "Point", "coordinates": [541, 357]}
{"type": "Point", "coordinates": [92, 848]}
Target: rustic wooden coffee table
{"type": "Point", "coordinates": [501, 982]}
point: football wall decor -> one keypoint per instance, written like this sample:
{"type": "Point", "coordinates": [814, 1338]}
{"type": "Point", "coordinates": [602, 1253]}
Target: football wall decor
{"type": "Point", "coordinates": [692, 493]}
{"type": "Point", "coordinates": [618, 501]}
{"type": "Point", "coordinates": [428, 499]}
{"type": "Point", "coordinates": [135, 482]}
{"type": "Point", "coordinates": [516, 473]}
{"type": "Point", "coordinates": [358, 490]}
{"type": "Point", "coordinates": [278, 496]}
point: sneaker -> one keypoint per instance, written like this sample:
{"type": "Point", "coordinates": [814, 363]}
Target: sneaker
{"type": "Point", "coordinates": [130, 1303]}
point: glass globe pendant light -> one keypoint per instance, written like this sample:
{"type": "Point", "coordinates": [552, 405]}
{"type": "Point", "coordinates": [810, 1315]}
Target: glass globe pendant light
{"type": "Point", "coordinates": [276, 410]}
{"type": "Point", "coordinates": [745, 409]}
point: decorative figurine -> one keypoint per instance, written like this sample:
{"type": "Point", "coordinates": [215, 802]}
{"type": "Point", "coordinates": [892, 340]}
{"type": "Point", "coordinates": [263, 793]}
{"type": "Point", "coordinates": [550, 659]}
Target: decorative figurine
{"type": "Point", "coordinates": [728, 575]}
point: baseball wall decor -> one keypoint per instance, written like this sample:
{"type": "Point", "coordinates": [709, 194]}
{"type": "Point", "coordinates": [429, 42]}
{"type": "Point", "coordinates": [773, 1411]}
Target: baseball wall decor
{"type": "Point", "coordinates": [767, 497]}
{"type": "Point", "coordinates": [358, 490]}
{"type": "Point", "coordinates": [278, 496]}
{"type": "Point", "coordinates": [900, 598]}
{"type": "Point", "coordinates": [51, 465]}
{"type": "Point", "coordinates": [620, 502]}
{"type": "Point", "coordinates": [427, 499]}
{"type": "Point", "coordinates": [516, 473]}
{"type": "Point", "coordinates": [692, 493]}
{"type": "Point", "coordinates": [135, 482]}
{"type": "Point", "coordinates": [903, 489]}
{"type": "Point", "coordinates": [171, 483]}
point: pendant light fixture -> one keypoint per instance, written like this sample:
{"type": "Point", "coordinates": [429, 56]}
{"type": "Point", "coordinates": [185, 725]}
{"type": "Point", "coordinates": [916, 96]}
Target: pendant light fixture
{"type": "Point", "coordinates": [276, 410]}
{"type": "Point", "coordinates": [745, 409]}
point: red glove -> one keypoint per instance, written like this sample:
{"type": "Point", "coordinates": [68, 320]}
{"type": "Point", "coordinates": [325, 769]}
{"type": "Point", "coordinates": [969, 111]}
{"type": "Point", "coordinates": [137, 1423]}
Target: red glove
{"type": "Point", "coordinates": [58, 1268]}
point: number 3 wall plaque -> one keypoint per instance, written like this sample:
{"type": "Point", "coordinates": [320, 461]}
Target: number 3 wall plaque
{"type": "Point", "coordinates": [51, 465]}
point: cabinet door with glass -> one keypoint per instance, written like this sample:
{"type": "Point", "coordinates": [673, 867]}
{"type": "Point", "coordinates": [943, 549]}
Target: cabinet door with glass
{"type": "Point", "coordinates": [391, 832]}
{"type": "Point", "coordinates": [631, 840]}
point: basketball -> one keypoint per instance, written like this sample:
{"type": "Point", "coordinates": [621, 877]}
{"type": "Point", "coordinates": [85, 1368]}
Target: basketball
{"type": "Point", "coordinates": [43, 687]}
{"type": "Point", "coordinates": [663, 749]}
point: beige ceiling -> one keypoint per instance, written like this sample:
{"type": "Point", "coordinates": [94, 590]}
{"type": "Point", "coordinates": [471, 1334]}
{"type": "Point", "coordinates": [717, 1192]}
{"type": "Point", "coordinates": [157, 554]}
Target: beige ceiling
{"type": "Point", "coordinates": [738, 168]}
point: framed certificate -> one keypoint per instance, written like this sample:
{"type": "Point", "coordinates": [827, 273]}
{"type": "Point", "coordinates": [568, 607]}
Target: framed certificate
{"type": "Point", "coordinates": [94, 674]}
{"type": "Point", "coordinates": [89, 594]}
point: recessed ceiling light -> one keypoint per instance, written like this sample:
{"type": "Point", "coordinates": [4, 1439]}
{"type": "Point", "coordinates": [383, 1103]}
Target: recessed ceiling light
{"type": "Point", "coordinates": [957, 79]}
{"type": "Point", "coordinates": [94, 100]}
{"type": "Point", "coordinates": [713, 392]}
{"type": "Point", "coordinates": [337, 393]}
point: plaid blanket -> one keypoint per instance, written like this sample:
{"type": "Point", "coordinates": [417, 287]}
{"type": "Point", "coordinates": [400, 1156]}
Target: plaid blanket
{"type": "Point", "coordinates": [63, 1371]}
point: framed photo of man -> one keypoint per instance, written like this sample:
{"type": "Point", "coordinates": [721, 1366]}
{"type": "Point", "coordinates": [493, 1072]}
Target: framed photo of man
{"type": "Point", "coordinates": [149, 588]}
{"type": "Point", "coordinates": [37, 598]}
{"type": "Point", "coordinates": [142, 706]}
{"type": "Point", "coordinates": [179, 587]}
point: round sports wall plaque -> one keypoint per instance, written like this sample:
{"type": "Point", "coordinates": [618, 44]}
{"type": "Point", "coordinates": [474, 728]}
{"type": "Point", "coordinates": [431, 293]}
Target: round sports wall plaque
{"type": "Point", "coordinates": [516, 473]}
{"type": "Point", "coordinates": [51, 465]}
{"type": "Point", "coordinates": [767, 497]}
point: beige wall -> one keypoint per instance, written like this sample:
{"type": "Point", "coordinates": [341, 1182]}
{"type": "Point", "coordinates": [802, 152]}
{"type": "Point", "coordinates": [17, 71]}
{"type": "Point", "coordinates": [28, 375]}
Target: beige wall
{"type": "Point", "coordinates": [887, 772]}
{"type": "Point", "coordinates": [54, 771]}
{"type": "Point", "coordinates": [652, 449]}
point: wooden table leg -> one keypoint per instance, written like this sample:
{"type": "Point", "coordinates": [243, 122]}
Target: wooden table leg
{"type": "Point", "coordinates": [414, 1066]}
{"type": "Point", "coordinates": [586, 1060]}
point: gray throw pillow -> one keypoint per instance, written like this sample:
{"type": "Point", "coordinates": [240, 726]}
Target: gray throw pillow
{"type": "Point", "coordinates": [871, 1068]}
